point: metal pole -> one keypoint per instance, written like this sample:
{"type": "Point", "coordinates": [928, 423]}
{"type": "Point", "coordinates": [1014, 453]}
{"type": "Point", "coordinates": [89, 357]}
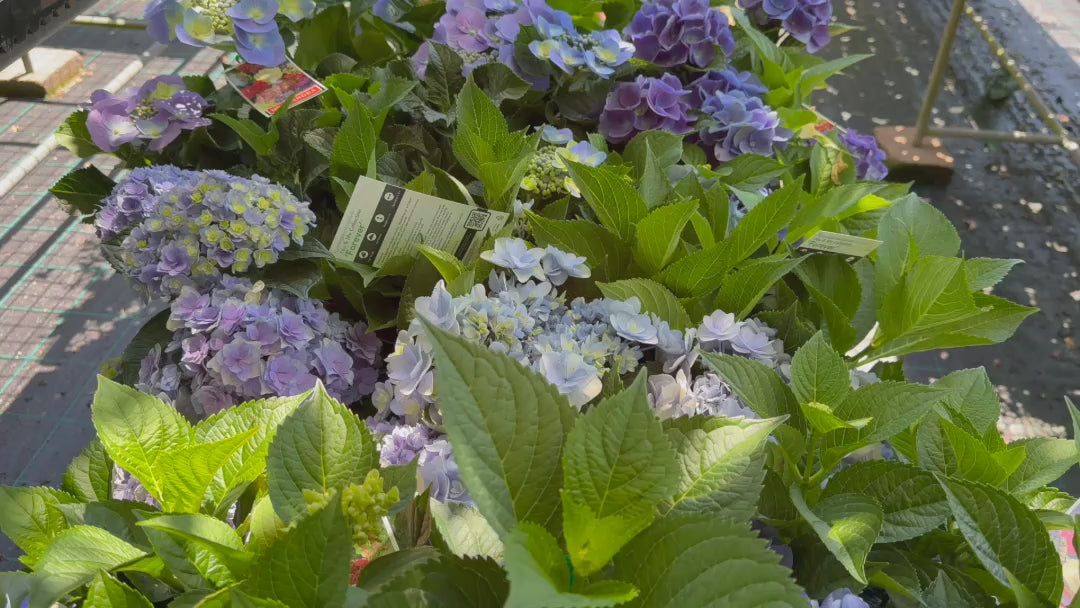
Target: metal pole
{"type": "Point", "coordinates": [941, 63]}
{"type": "Point", "coordinates": [28, 67]}
{"type": "Point", "coordinates": [1017, 137]}
{"type": "Point", "coordinates": [113, 22]}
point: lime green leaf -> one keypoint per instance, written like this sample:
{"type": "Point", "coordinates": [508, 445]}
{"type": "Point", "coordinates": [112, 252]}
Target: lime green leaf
{"type": "Point", "coordinates": [821, 417]}
{"type": "Point", "coordinates": [987, 272]}
{"type": "Point", "coordinates": [814, 77]}
{"type": "Point", "coordinates": [353, 153]}
{"type": "Point", "coordinates": [911, 500]}
{"type": "Point", "coordinates": [137, 430]}
{"type": "Point", "coordinates": [665, 147]}
{"type": "Point", "coordinates": [73, 135]}
{"type": "Point", "coordinates": [654, 297]}
{"type": "Point", "coordinates": [509, 458]}
{"type": "Point", "coordinates": [448, 266]}
{"type": "Point", "coordinates": [81, 191]}
{"type": "Point", "coordinates": [540, 575]}
{"type": "Point", "coordinates": [319, 447]}
{"type": "Point", "coordinates": [611, 197]}
{"type": "Point", "coordinates": [1047, 459]}
{"type": "Point", "coordinates": [607, 255]}
{"type": "Point", "coordinates": [240, 599]}
{"type": "Point", "coordinates": [659, 234]}
{"type": "Point", "coordinates": [909, 229]}
{"type": "Point", "coordinates": [187, 472]}
{"type": "Point", "coordinates": [76, 555]}
{"type": "Point", "coordinates": [972, 396]}
{"type": "Point", "coordinates": [465, 531]}
{"type": "Point", "coordinates": [756, 384]}
{"type": "Point", "coordinates": [89, 476]}
{"type": "Point", "coordinates": [618, 466]}
{"type": "Point", "coordinates": [848, 524]}
{"type": "Point", "coordinates": [721, 465]}
{"type": "Point", "coordinates": [107, 592]}
{"type": "Point", "coordinates": [1006, 536]}
{"type": "Point", "coordinates": [891, 406]}
{"type": "Point", "coordinates": [934, 292]}
{"type": "Point", "coordinates": [264, 524]}
{"type": "Point", "coordinates": [744, 288]}
{"type": "Point", "coordinates": [261, 142]}
{"type": "Point", "coordinates": [945, 448]}
{"type": "Point", "coordinates": [676, 562]}
{"type": "Point", "coordinates": [31, 517]}
{"type": "Point", "coordinates": [214, 548]}
{"type": "Point", "coordinates": [309, 564]}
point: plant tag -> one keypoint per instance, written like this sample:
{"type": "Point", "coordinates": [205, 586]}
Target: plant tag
{"type": "Point", "coordinates": [267, 88]}
{"type": "Point", "coordinates": [844, 244]}
{"type": "Point", "coordinates": [383, 221]}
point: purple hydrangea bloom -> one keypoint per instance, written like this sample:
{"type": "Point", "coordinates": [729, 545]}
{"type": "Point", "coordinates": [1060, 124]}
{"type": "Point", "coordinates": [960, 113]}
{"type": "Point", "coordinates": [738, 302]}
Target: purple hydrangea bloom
{"type": "Point", "coordinates": [248, 25]}
{"type": "Point", "coordinates": [806, 20]}
{"type": "Point", "coordinates": [841, 598]}
{"type": "Point", "coordinates": [644, 105]}
{"type": "Point", "coordinates": [156, 112]}
{"type": "Point", "coordinates": [726, 80]}
{"type": "Point", "coordinates": [268, 349]}
{"type": "Point", "coordinates": [672, 33]}
{"type": "Point", "coordinates": [741, 124]}
{"type": "Point", "coordinates": [869, 157]}
{"type": "Point", "coordinates": [166, 228]}
{"type": "Point", "coordinates": [438, 468]}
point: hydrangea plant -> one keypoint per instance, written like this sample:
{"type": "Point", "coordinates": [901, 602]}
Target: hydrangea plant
{"type": "Point", "coordinates": [156, 112]}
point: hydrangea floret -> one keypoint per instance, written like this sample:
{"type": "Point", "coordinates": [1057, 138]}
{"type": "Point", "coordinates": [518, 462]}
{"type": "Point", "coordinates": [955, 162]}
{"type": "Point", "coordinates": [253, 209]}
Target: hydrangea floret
{"type": "Point", "coordinates": [167, 228]}
{"type": "Point", "coordinates": [672, 33]}
{"type": "Point", "coordinates": [869, 157]}
{"type": "Point", "coordinates": [806, 20]}
{"type": "Point", "coordinates": [724, 81]}
{"type": "Point", "coordinates": [546, 175]}
{"type": "Point", "coordinates": [645, 105]}
{"type": "Point", "coordinates": [561, 44]}
{"type": "Point", "coordinates": [242, 341]}
{"type": "Point", "coordinates": [248, 25]}
{"type": "Point", "coordinates": [156, 113]}
{"type": "Point", "coordinates": [740, 124]}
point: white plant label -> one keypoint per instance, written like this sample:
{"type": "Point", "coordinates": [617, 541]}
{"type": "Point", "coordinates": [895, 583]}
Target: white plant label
{"type": "Point", "coordinates": [844, 244]}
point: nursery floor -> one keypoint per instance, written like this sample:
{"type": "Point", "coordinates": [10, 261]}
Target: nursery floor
{"type": "Point", "coordinates": [63, 311]}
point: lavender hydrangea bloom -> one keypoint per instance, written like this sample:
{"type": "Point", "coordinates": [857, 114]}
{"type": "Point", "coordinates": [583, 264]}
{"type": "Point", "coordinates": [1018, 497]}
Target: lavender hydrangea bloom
{"type": "Point", "coordinates": [274, 346]}
{"type": "Point", "coordinates": [166, 228]}
{"type": "Point", "coordinates": [741, 124]}
{"type": "Point", "coordinates": [672, 33]}
{"type": "Point", "coordinates": [639, 328]}
{"type": "Point", "coordinates": [724, 81]}
{"type": "Point", "coordinates": [841, 598]}
{"type": "Point", "coordinates": [644, 105]}
{"type": "Point", "coordinates": [869, 157]}
{"type": "Point", "coordinates": [248, 25]}
{"type": "Point", "coordinates": [438, 468]}
{"type": "Point", "coordinates": [155, 112]}
{"type": "Point", "coordinates": [561, 44]}
{"type": "Point", "coordinates": [806, 20]}
{"type": "Point", "coordinates": [560, 265]}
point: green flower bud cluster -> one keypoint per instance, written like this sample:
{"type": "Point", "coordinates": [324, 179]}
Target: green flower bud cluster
{"type": "Point", "coordinates": [546, 175]}
{"type": "Point", "coordinates": [365, 505]}
{"type": "Point", "coordinates": [215, 9]}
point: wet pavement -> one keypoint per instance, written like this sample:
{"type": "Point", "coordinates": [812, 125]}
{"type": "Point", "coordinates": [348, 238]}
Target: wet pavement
{"type": "Point", "coordinates": [1007, 200]}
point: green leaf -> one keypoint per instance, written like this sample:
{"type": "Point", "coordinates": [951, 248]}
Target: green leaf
{"type": "Point", "coordinates": [353, 153]}
{"type": "Point", "coordinates": [443, 80]}
{"type": "Point", "coordinates": [260, 141]}
{"type": "Point", "coordinates": [1047, 459]}
{"type": "Point", "coordinates": [824, 161]}
{"type": "Point", "coordinates": [137, 430]}
{"type": "Point", "coordinates": [89, 476]}
{"type": "Point", "coordinates": [756, 384]}
{"type": "Point", "coordinates": [509, 458]}
{"type": "Point", "coordinates": [610, 196]}
{"type": "Point", "coordinates": [764, 49]}
{"type": "Point", "coordinates": [659, 234]}
{"type": "Point", "coordinates": [382, 571]}
{"type": "Point", "coordinates": [540, 575]}
{"type": "Point", "coordinates": [835, 287]}
{"type": "Point", "coordinates": [654, 297]}
{"type": "Point", "coordinates": [73, 135]}
{"type": "Point", "coordinates": [822, 418]}
{"type": "Point", "coordinates": [449, 267]}
{"type": "Point", "coordinates": [699, 273]}
{"type": "Point", "coordinates": [319, 447]}
{"type": "Point", "coordinates": [309, 564]}
{"type": "Point", "coordinates": [82, 190]}
{"type": "Point", "coordinates": [909, 229]}
{"type": "Point", "coordinates": [618, 465]}
{"type": "Point", "coordinates": [1006, 536]}
{"type": "Point", "coordinates": [107, 592]}
{"type": "Point", "coordinates": [721, 465]}
{"type": "Point", "coordinates": [943, 593]}
{"type": "Point", "coordinates": [814, 77]}
{"type": "Point", "coordinates": [473, 582]}
{"type": "Point", "coordinates": [933, 293]}
{"type": "Point", "coordinates": [973, 397]}
{"type": "Point", "coordinates": [607, 255]}
{"type": "Point", "coordinates": [188, 472]}
{"type": "Point", "coordinates": [219, 553]}
{"type": "Point", "coordinates": [744, 288]}
{"type": "Point", "coordinates": [481, 126]}
{"type": "Point", "coordinates": [324, 34]}
{"type": "Point", "coordinates": [264, 524]}
{"type": "Point", "coordinates": [750, 172]}
{"type": "Point", "coordinates": [1075, 415]}
{"type": "Point", "coordinates": [848, 524]}
{"type": "Point", "coordinates": [983, 273]}
{"type": "Point", "coordinates": [911, 500]}
{"type": "Point", "coordinates": [678, 562]}
{"type": "Point", "coordinates": [465, 531]}
{"type": "Point", "coordinates": [31, 517]}
{"type": "Point", "coordinates": [945, 448]}
{"type": "Point", "coordinates": [665, 147]}
{"type": "Point", "coordinates": [499, 82]}
{"type": "Point", "coordinates": [77, 554]}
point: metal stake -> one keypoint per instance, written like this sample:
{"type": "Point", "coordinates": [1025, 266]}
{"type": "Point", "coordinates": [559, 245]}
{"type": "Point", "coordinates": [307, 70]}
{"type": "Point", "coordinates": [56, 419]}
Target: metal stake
{"type": "Point", "coordinates": [941, 63]}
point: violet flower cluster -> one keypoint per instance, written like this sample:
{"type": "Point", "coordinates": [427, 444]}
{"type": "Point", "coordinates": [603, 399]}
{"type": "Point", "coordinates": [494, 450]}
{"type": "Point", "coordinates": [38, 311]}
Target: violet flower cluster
{"type": "Point", "coordinates": [806, 20]}
{"type": "Point", "coordinates": [725, 80]}
{"type": "Point", "coordinates": [167, 228]}
{"type": "Point", "coordinates": [156, 112]}
{"type": "Point", "coordinates": [672, 33]}
{"type": "Point", "coordinates": [243, 341]}
{"type": "Point", "coordinates": [869, 157]}
{"type": "Point", "coordinates": [840, 598]}
{"type": "Point", "coordinates": [248, 25]}
{"type": "Point", "coordinates": [740, 123]}
{"type": "Point", "coordinates": [547, 175]}
{"type": "Point", "coordinates": [644, 105]}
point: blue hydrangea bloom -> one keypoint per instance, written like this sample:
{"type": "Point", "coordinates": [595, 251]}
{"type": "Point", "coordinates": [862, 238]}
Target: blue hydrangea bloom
{"type": "Point", "coordinates": [869, 157]}
{"type": "Point", "coordinates": [601, 51]}
{"type": "Point", "coordinates": [806, 20]}
{"type": "Point", "coordinates": [841, 598]}
{"type": "Point", "coordinates": [741, 123]}
{"type": "Point", "coordinates": [673, 33]}
{"type": "Point", "coordinates": [724, 81]}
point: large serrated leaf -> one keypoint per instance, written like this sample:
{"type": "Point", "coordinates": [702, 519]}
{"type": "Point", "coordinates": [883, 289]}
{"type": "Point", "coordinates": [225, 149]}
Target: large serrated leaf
{"type": "Point", "coordinates": [703, 560]}
{"type": "Point", "coordinates": [848, 524]}
{"type": "Point", "coordinates": [910, 228]}
{"type": "Point", "coordinates": [757, 385]}
{"type": "Point", "coordinates": [659, 234]}
{"type": "Point", "coordinates": [465, 531]}
{"type": "Point", "coordinates": [215, 548]}
{"type": "Point", "coordinates": [31, 517]}
{"type": "Point", "coordinates": [1008, 539]}
{"type": "Point", "coordinates": [945, 448]}
{"type": "Point", "coordinates": [77, 554]}
{"type": "Point", "coordinates": [972, 396]}
{"type": "Point", "coordinates": [508, 457]}
{"type": "Point", "coordinates": [81, 191]}
{"type": "Point", "coordinates": [187, 472]}
{"type": "Point", "coordinates": [107, 592]}
{"type": "Point", "coordinates": [911, 500]}
{"type": "Point", "coordinates": [611, 197]}
{"type": "Point", "coordinates": [353, 153]}
{"type": "Point", "coordinates": [654, 298]}
{"type": "Point", "coordinates": [1046, 459]}
{"type": "Point", "coordinates": [89, 476]}
{"type": "Point", "coordinates": [983, 273]}
{"type": "Point", "coordinates": [742, 289]}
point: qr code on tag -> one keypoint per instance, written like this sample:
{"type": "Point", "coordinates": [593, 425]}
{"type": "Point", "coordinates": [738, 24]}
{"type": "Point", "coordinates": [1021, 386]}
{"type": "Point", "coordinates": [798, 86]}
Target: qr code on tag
{"type": "Point", "coordinates": [477, 220]}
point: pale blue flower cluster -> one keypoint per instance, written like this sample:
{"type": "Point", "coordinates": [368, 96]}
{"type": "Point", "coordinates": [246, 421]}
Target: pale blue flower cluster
{"type": "Point", "coordinates": [242, 341]}
{"type": "Point", "coordinates": [599, 51]}
{"type": "Point", "coordinates": [547, 176]}
{"type": "Point", "coordinates": [840, 598]}
{"type": "Point", "coordinates": [167, 228]}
